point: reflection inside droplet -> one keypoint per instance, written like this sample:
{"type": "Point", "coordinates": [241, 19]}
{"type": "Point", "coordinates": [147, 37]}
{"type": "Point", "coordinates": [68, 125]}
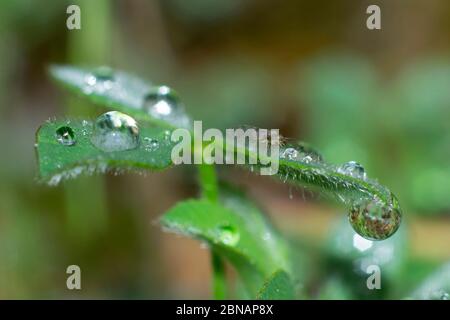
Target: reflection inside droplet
{"type": "Point", "coordinates": [115, 131]}
{"type": "Point", "coordinates": [65, 136]}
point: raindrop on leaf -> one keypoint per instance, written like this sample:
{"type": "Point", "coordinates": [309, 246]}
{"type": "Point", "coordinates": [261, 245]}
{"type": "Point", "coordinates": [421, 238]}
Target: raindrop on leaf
{"type": "Point", "coordinates": [65, 136]}
{"type": "Point", "coordinates": [375, 220]}
{"type": "Point", "coordinates": [353, 169]}
{"type": "Point", "coordinates": [150, 144]}
{"type": "Point", "coordinates": [290, 154]}
{"type": "Point", "coordinates": [228, 235]}
{"type": "Point", "coordinates": [163, 103]}
{"type": "Point", "coordinates": [99, 81]}
{"type": "Point", "coordinates": [115, 131]}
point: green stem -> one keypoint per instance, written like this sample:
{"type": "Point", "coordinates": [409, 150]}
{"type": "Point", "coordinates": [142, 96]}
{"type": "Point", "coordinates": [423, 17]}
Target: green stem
{"type": "Point", "coordinates": [210, 191]}
{"type": "Point", "coordinates": [219, 282]}
{"type": "Point", "coordinates": [208, 182]}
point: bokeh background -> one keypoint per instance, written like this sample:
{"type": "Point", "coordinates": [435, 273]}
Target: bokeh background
{"type": "Point", "coordinates": [310, 68]}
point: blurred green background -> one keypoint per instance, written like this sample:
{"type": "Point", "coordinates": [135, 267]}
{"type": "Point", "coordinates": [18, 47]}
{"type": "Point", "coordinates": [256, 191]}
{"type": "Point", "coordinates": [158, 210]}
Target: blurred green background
{"type": "Point", "coordinates": [310, 68]}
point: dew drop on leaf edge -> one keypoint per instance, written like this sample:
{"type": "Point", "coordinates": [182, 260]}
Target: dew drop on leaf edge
{"type": "Point", "coordinates": [115, 131]}
{"type": "Point", "coordinates": [228, 235]}
{"type": "Point", "coordinates": [163, 103]}
{"type": "Point", "coordinates": [289, 153]}
{"type": "Point", "coordinates": [352, 169]}
{"type": "Point", "coordinates": [99, 81]}
{"type": "Point", "coordinates": [375, 220]}
{"type": "Point", "coordinates": [65, 136]}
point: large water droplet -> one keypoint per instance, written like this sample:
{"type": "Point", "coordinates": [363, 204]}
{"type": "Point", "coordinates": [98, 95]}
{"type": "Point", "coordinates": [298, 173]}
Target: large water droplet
{"type": "Point", "coordinates": [352, 169]}
{"type": "Point", "coordinates": [375, 220]}
{"type": "Point", "coordinates": [228, 235]}
{"type": "Point", "coordinates": [163, 103]}
{"type": "Point", "coordinates": [65, 136]}
{"type": "Point", "coordinates": [115, 131]}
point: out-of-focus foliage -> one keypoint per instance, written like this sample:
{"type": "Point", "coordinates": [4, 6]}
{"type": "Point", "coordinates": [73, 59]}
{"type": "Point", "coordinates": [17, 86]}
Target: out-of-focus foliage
{"type": "Point", "coordinates": [398, 128]}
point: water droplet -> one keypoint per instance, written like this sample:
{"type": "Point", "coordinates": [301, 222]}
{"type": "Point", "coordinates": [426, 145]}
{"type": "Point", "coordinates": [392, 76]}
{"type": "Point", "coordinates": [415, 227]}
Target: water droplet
{"type": "Point", "coordinates": [290, 154]}
{"type": "Point", "coordinates": [99, 81]}
{"type": "Point", "coordinates": [352, 169]}
{"type": "Point", "coordinates": [307, 159]}
{"type": "Point", "coordinates": [167, 134]}
{"type": "Point", "coordinates": [445, 296]}
{"type": "Point", "coordinates": [104, 73]}
{"type": "Point", "coordinates": [228, 235]}
{"type": "Point", "coordinates": [65, 136]}
{"type": "Point", "coordinates": [115, 131]}
{"type": "Point", "coordinates": [300, 153]}
{"type": "Point", "coordinates": [85, 125]}
{"type": "Point", "coordinates": [375, 220]}
{"type": "Point", "coordinates": [150, 144]}
{"type": "Point", "coordinates": [163, 103]}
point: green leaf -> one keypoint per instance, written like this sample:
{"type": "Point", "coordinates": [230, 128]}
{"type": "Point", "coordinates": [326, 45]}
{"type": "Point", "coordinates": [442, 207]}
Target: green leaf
{"type": "Point", "coordinates": [245, 238]}
{"type": "Point", "coordinates": [58, 161]}
{"type": "Point", "coordinates": [117, 90]}
{"type": "Point", "coordinates": [359, 194]}
{"type": "Point", "coordinates": [277, 287]}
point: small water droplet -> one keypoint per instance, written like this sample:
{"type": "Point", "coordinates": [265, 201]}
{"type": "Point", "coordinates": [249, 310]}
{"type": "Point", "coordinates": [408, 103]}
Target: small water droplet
{"type": "Point", "coordinates": [228, 235]}
{"type": "Point", "coordinates": [167, 134]}
{"type": "Point", "coordinates": [115, 131]}
{"type": "Point", "coordinates": [445, 296]}
{"type": "Point", "coordinates": [150, 144]}
{"type": "Point", "coordinates": [307, 159]}
{"type": "Point", "coordinates": [352, 169]}
{"type": "Point", "coordinates": [375, 220]}
{"type": "Point", "coordinates": [163, 103]}
{"type": "Point", "coordinates": [104, 73]}
{"type": "Point", "coordinates": [290, 154]}
{"type": "Point", "coordinates": [100, 80]}
{"type": "Point", "coordinates": [85, 125]}
{"type": "Point", "coordinates": [65, 136]}
{"type": "Point", "coordinates": [300, 154]}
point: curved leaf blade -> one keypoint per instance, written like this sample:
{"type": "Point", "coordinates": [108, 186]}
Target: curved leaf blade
{"type": "Point", "coordinates": [120, 91]}
{"type": "Point", "coordinates": [246, 247]}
